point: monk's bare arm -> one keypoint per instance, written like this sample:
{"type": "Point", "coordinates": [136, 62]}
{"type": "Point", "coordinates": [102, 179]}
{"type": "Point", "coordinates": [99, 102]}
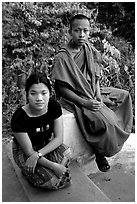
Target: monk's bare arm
{"type": "Point", "coordinates": [70, 95]}
{"type": "Point", "coordinates": [98, 93]}
{"type": "Point", "coordinates": [79, 101]}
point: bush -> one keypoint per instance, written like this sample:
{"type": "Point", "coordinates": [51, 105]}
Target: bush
{"type": "Point", "coordinates": [32, 34]}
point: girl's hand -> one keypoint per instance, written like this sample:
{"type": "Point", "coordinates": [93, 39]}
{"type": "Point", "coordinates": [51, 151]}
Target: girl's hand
{"type": "Point", "coordinates": [31, 163]}
{"type": "Point", "coordinates": [59, 169]}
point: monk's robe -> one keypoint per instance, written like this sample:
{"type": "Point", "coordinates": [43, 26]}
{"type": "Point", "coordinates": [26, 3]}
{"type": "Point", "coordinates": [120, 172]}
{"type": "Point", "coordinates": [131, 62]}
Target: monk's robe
{"type": "Point", "coordinates": [107, 129]}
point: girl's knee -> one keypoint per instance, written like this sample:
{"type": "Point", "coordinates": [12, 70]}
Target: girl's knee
{"type": "Point", "coordinates": [65, 151]}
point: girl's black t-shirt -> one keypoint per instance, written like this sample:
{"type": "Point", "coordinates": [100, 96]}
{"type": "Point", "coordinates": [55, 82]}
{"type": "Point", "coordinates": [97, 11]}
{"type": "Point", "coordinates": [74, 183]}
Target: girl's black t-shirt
{"type": "Point", "coordinates": [39, 128]}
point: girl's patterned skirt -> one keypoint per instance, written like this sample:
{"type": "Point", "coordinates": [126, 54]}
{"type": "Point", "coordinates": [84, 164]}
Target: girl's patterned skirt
{"type": "Point", "coordinates": [44, 177]}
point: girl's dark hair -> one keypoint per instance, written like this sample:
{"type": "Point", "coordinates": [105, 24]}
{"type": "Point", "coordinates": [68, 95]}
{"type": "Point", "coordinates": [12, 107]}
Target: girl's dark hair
{"type": "Point", "coordinates": [36, 78]}
{"type": "Point", "coordinates": [79, 17]}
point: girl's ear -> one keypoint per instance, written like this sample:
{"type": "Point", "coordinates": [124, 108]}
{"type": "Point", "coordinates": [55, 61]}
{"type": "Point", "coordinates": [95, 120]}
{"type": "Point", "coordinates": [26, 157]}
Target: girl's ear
{"type": "Point", "coordinates": [27, 98]}
{"type": "Point", "coordinates": [69, 31]}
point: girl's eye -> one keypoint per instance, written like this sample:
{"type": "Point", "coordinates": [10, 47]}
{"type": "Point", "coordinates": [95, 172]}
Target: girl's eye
{"type": "Point", "coordinates": [45, 92]}
{"type": "Point", "coordinates": [32, 93]}
{"type": "Point", "coordinates": [42, 93]}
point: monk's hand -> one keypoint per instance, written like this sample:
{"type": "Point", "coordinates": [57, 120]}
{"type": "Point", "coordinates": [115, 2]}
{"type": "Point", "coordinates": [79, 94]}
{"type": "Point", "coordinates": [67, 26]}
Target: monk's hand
{"type": "Point", "coordinates": [31, 163]}
{"type": "Point", "coordinates": [94, 105]}
{"type": "Point", "coordinates": [99, 98]}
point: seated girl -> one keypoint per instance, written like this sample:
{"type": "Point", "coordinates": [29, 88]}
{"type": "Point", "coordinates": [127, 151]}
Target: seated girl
{"type": "Point", "coordinates": [38, 147]}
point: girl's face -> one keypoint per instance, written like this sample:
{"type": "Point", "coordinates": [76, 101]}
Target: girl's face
{"type": "Point", "coordinates": [38, 96]}
{"type": "Point", "coordinates": [80, 31]}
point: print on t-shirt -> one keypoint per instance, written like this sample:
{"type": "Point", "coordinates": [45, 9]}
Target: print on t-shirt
{"type": "Point", "coordinates": [42, 129]}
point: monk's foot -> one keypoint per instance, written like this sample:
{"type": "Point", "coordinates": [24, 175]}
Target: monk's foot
{"type": "Point", "coordinates": [102, 163]}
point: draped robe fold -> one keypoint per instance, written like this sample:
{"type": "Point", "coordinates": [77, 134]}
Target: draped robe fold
{"type": "Point", "coordinates": [105, 130]}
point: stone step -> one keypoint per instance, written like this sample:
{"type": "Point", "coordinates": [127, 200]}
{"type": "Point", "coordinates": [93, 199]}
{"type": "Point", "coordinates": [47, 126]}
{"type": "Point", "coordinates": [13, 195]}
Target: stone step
{"type": "Point", "coordinates": [12, 190]}
{"type": "Point", "coordinates": [81, 190]}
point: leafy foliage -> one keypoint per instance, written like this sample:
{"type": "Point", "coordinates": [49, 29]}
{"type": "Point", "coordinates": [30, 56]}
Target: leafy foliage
{"type": "Point", "coordinates": [34, 31]}
{"type": "Point", "coordinates": [117, 16]}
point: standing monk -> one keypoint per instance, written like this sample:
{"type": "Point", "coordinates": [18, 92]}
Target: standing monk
{"type": "Point", "coordinates": [104, 115]}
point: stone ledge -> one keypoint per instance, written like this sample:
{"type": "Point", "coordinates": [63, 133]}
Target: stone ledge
{"type": "Point", "coordinates": [74, 138]}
